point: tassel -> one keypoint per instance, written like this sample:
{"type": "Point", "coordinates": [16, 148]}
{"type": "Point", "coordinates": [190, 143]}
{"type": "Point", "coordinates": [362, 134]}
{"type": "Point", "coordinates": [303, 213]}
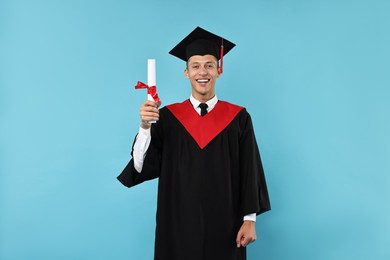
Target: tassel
{"type": "Point", "coordinates": [221, 58]}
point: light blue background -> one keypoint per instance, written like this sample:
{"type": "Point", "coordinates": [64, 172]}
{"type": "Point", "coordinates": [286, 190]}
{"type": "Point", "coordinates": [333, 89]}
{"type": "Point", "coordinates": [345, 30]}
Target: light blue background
{"type": "Point", "coordinates": [313, 74]}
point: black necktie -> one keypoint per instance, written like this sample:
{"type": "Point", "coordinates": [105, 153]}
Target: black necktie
{"type": "Point", "coordinates": [203, 108]}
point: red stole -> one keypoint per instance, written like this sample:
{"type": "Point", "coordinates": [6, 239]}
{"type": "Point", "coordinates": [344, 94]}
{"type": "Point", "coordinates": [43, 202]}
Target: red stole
{"type": "Point", "coordinates": [204, 128]}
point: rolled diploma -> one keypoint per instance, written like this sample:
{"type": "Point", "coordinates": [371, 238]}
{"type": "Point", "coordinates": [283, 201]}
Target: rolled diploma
{"type": "Point", "coordinates": [151, 78]}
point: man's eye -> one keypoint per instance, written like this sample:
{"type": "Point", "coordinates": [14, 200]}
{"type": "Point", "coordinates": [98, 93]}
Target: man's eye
{"type": "Point", "coordinates": [195, 66]}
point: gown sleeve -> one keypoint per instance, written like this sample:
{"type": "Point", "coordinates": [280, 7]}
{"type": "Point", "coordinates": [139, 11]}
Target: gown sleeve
{"type": "Point", "coordinates": [254, 192]}
{"type": "Point", "coordinates": [151, 166]}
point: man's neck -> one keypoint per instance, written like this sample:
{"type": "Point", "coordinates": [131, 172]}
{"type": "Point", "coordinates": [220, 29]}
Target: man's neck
{"type": "Point", "coordinates": [203, 99]}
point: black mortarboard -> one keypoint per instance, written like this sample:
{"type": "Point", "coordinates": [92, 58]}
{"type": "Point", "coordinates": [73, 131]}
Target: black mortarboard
{"type": "Point", "coordinates": [202, 42]}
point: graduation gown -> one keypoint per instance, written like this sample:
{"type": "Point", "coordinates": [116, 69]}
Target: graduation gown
{"type": "Point", "coordinates": [210, 176]}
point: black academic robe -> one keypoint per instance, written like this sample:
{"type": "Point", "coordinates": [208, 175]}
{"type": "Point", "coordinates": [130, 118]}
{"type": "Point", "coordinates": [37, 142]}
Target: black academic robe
{"type": "Point", "coordinates": [210, 176]}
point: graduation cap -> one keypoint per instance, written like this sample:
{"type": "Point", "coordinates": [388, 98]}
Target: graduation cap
{"type": "Point", "coordinates": [202, 42]}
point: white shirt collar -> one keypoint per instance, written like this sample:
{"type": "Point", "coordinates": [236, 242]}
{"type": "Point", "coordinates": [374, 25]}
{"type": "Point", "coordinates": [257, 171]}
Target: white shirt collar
{"type": "Point", "coordinates": [211, 103]}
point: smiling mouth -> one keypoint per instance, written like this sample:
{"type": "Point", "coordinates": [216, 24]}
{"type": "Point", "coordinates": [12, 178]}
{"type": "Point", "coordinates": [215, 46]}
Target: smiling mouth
{"type": "Point", "coordinates": [202, 80]}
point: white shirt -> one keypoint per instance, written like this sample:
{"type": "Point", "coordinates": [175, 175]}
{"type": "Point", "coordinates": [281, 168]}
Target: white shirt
{"type": "Point", "coordinates": [143, 138]}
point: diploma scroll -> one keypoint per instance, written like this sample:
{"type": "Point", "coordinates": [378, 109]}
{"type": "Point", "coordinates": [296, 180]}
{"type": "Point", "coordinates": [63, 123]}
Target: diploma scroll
{"type": "Point", "coordinates": [151, 86]}
{"type": "Point", "coordinates": [151, 79]}
{"type": "Point", "coordinates": [151, 76]}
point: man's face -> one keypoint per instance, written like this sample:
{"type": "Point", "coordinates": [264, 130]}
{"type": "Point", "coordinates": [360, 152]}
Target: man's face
{"type": "Point", "coordinates": [202, 71]}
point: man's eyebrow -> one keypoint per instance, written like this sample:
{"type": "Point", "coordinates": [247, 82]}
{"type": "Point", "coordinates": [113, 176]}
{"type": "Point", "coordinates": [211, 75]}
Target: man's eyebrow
{"type": "Point", "coordinates": [198, 62]}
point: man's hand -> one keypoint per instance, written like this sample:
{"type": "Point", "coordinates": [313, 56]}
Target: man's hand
{"type": "Point", "coordinates": [149, 112]}
{"type": "Point", "coordinates": [246, 234]}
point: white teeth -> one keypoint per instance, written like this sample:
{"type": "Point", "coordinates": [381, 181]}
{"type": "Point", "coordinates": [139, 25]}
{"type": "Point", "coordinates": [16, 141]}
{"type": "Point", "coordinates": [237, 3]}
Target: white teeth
{"type": "Point", "coordinates": [203, 80]}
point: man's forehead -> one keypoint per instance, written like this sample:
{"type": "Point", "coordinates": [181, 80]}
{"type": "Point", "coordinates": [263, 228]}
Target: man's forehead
{"type": "Point", "coordinates": [202, 59]}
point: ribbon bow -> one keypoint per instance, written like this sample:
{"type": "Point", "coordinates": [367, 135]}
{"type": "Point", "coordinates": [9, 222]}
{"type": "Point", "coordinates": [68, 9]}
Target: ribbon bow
{"type": "Point", "coordinates": [151, 90]}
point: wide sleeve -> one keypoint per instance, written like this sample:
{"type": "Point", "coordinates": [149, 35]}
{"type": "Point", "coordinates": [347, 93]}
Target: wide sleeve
{"type": "Point", "coordinates": [151, 166]}
{"type": "Point", "coordinates": [254, 192]}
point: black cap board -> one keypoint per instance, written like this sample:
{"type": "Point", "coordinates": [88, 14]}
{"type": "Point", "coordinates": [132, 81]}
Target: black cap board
{"type": "Point", "coordinates": [202, 42]}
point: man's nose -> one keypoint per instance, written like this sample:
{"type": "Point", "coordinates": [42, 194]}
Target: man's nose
{"type": "Point", "coordinates": [203, 71]}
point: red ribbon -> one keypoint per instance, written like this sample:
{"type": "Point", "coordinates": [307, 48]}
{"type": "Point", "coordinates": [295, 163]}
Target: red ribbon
{"type": "Point", "coordinates": [151, 90]}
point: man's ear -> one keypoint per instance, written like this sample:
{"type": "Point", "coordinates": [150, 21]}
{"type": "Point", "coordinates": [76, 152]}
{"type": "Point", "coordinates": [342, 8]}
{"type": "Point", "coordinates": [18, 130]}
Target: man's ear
{"type": "Point", "coordinates": [186, 73]}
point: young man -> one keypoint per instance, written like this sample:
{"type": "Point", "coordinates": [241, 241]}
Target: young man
{"type": "Point", "coordinates": [204, 152]}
